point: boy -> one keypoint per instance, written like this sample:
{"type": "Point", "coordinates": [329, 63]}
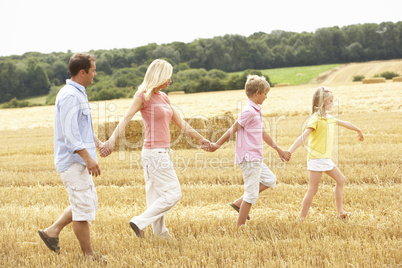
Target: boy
{"type": "Point", "coordinates": [249, 147]}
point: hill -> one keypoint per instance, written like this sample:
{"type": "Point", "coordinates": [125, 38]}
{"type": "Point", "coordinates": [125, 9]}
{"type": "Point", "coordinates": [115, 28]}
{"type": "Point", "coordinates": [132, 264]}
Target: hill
{"type": "Point", "coordinates": [345, 73]}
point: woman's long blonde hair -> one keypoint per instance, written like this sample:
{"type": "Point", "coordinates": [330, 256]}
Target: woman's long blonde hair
{"type": "Point", "coordinates": [158, 72]}
{"type": "Point", "coordinates": [321, 94]}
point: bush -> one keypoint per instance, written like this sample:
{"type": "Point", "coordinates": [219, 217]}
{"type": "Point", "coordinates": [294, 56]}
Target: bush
{"type": "Point", "coordinates": [14, 103]}
{"type": "Point", "coordinates": [388, 75]}
{"type": "Point", "coordinates": [108, 94]}
{"type": "Point", "coordinates": [358, 78]}
{"type": "Point", "coordinates": [238, 80]}
{"type": "Point", "coordinates": [51, 97]}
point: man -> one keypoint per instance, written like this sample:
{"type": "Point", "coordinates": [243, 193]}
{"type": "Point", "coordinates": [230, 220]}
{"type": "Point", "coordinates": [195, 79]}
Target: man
{"type": "Point", "coordinates": [75, 155]}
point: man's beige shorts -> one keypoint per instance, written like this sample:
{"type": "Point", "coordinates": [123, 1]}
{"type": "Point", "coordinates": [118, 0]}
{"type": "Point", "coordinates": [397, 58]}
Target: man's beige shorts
{"type": "Point", "coordinates": [81, 191]}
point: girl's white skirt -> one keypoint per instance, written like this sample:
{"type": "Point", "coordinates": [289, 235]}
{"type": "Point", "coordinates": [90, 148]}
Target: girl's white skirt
{"type": "Point", "coordinates": [320, 164]}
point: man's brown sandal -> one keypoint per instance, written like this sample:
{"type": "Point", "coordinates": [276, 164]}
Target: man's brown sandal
{"type": "Point", "coordinates": [51, 242]}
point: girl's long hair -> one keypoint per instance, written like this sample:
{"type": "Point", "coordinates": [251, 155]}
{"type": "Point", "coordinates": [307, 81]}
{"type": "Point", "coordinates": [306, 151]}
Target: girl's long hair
{"type": "Point", "coordinates": [321, 94]}
{"type": "Point", "coordinates": [158, 72]}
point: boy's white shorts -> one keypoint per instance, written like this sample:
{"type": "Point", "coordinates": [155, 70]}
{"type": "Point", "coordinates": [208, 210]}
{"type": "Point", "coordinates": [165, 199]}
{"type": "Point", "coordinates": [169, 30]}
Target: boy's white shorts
{"type": "Point", "coordinates": [81, 191]}
{"type": "Point", "coordinates": [320, 164]}
{"type": "Point", "coordinates": [254, 173]}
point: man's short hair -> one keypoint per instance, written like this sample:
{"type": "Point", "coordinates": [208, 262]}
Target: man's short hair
{"type": "Point", "coordinates": [80, 61]}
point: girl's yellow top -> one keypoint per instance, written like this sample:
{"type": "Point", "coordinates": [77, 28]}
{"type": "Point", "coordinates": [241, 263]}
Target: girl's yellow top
{"type": "Point", "coordinates": [322, 137]}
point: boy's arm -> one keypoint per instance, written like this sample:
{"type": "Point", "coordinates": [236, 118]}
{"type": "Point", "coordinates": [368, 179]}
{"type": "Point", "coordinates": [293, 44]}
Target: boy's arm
{"type": "Point", "coordinates": [299, 141]}
{"type": "Point", "coordinates": [350, 126]}
{"type": "Point", "coordinates": [268, 140]}
{"type": "Point", "coordinates": [228, 134]}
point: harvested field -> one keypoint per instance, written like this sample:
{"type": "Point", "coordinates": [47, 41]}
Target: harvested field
{"type": "Point", "coordinates": [369, 69]}
{"type": "Point", "coordinates": [202, 225]}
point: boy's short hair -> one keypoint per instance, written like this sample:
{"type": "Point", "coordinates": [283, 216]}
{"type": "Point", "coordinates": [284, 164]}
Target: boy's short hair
{"type": "Point", "coordinates": [80, 61]}
{"type": "Point", "coordinates": [256, 83]}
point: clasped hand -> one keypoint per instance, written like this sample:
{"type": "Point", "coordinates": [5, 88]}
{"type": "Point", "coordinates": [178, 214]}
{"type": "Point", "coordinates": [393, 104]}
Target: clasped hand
{"type": "Point", "coordinates": [105, 149]}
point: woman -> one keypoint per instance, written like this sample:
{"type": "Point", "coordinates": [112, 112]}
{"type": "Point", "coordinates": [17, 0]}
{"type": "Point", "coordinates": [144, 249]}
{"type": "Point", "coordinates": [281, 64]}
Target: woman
{"type": "Point", "coordinates": [161, 183]}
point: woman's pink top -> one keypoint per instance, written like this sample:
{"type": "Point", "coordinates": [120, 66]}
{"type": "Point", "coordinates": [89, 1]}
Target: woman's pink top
{"type": "Point", "coordinates": [156, 115]}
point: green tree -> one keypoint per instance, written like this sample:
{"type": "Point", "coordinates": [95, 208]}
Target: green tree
{"type": "Point", "coordinates": [354, 52]}
{"type": "Point", "coordinates": [330, 43]}
{"type": "Point", "coordinates": [144, 53]}
{"type": "Point", "coordinates": [165, 51]}
{"type": "Point", "coordinates": [60, 72]}
{"type": "Point", "coordinates": [9, 81]}
{"type": "Point", "coordinates": [103, 65]}
{"type": "Point", "coordinates": [37, 79]}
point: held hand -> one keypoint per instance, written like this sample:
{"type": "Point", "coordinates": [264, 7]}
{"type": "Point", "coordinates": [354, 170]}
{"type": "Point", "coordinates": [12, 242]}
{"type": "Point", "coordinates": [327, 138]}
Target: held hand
{"type": "Point", "coordinates": [360, 136]}
{"type": "Point", "coordinates": [93, 167]}
{"type": "Point", "coordinates": [106, 149]}
{"type": "Point", "coordinates": [284, 155]}
{"type": "Point", "coordinates": [213, 147]}
{"type": "Point", "coordinates": [205, 144]}
{"type": "Point", "coordinates": [287, 156]}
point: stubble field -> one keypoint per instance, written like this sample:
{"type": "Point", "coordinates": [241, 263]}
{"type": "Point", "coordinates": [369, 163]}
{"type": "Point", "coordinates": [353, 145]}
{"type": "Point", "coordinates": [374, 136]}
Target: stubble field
{"type": "Point", "coordinates": [202, 225]}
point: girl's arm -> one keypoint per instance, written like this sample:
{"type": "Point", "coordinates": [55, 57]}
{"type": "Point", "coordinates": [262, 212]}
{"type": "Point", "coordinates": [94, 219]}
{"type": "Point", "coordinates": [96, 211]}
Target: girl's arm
{"type": "Point", "coordinates": [349, 125]}
{"type": "Point", "coordinates": [108, 147]}
{"type": "Point", "coordinates": [268, 140]}
{"type": "Point", "coordinates": [183, 125]}
{"type": "Point", "coordinates": [299, 141]}
{"type": "Point", "coordinates": [228, 134]}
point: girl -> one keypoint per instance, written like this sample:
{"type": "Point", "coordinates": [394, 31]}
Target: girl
{"type": "Point", "coordinates": [161, 183]}
{"type": "Point", "coordinates": [321, 127]}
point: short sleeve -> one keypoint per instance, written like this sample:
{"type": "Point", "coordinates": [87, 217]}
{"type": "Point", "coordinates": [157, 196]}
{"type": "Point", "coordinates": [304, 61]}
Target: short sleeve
{"type": "Point", "coordinates": [165, 97]}
{"type": "Point", "coordinates": [142, 97]}
{"type": "Point", "coordinates": [312, 123]}
{"type": "Point", "coordinates": [245, 117]}
{"type": "Point", "coordinates": [333, 120]}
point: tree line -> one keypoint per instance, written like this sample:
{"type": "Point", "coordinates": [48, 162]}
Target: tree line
{"type": "Point", "coordinates": [204, 64]}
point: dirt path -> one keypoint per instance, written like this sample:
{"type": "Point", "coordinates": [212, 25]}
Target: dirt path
{"type": "Point", "coordinates": [345, 73]}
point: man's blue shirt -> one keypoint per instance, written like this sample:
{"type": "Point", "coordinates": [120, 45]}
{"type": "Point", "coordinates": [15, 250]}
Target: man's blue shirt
{"type": "Point", "coordinates": [73, 130]}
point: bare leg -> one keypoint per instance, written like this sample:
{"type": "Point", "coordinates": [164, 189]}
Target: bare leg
{"type": "Point", "coordinates": [81, 230]}
{"type": "Point", "coordinates": [240, 200]}
{"type": "Point", "coordinates": [314, 181]}
{"type": "Point", "coordinates": [65, 219]}
{"type": "Point", "coordinates": [243, 213]}
{"type": "Point", "coordinates": [337, 175]}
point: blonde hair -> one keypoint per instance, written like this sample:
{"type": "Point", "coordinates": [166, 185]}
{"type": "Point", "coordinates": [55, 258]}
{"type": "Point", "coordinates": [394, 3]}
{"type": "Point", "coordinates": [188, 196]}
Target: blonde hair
{"type": "Point", "coordinates": [256, 83]}
{"type": "Point", "coordinates": [158, 72]}
{"type": "Point", "coordinates": [321, 94]}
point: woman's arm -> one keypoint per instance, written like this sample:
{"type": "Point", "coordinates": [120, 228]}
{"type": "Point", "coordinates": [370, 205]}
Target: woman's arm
{"type": "Point", "coordinates": [299, 141]}
{"type": "Point", "coordinates": [183, 125]}
{"type": "Point", "coordinates": [135, 106]}
{"type": "Point", "coordinates": [350, 126]}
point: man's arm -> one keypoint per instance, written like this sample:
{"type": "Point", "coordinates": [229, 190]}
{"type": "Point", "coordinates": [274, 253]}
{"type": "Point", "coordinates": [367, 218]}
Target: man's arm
{"type": "Point", "coordinates": [92, 165]}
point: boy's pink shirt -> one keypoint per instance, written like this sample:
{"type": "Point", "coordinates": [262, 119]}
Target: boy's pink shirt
{"type": "Point", "coordinates": [249, 145]}
{"type": "Point", "coordinates": [156, 115]}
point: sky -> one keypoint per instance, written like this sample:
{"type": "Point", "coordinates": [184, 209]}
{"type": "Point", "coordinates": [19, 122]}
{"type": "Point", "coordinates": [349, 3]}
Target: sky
{"type": "Point", "coordinates": [82, 25]}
